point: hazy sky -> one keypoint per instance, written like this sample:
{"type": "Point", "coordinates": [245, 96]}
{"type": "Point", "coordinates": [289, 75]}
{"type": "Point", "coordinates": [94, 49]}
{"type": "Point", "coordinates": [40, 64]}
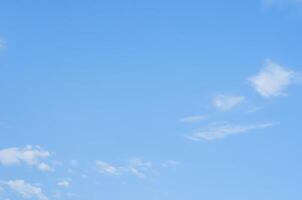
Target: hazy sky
{"type": "Point", "coordinates": [150, 100]}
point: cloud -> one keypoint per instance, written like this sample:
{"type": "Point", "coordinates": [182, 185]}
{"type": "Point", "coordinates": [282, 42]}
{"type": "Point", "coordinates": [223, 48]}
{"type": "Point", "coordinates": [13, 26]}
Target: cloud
{"type": "Point", "coordinates": [44, 167]}
{"type": "Point", "coordinates": [106, 168]}
{"type": "Point", "coordinates": [273, 80]}
{"type": "Point", "coordinates": [215, 132]}
{"type": "Point", "coordinates": [227, 102]}
{"type": "Point", "coordinates": [63, 183]}
{"type": "Point", "coordinates": [193, 119]}
{"type": "Point", "coordinates": [136, 167]}
{"type": "Point", "coordinates": [26, 190]}
{"type": "Point", "coordinates": [29, 155]}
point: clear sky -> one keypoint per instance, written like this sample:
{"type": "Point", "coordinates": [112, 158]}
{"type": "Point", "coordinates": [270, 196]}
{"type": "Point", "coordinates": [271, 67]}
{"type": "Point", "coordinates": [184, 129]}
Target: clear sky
{"type": "Point", "coordinates": [150, 100]}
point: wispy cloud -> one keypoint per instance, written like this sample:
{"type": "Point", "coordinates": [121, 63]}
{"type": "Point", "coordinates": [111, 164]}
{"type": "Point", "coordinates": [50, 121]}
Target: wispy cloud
{"type": "Point", "coordinates": [136, 167]}
{"type": "Point", "coordinates": [106, 168]}
{"type": "Point", "coordinates": [193, 119]}
{"type": "Point", "coordinates": [30, 155]}
{"type": "Point", "coordinates": [64, 183]}
{"type": "Point", "coordinates": [273, 80]}
{"type": "Point", "coordinates": [227, 102]}
{"type": "Point", "coordinates": [26, 190]}
{"type": "Point", "coordinates": [221, 131]}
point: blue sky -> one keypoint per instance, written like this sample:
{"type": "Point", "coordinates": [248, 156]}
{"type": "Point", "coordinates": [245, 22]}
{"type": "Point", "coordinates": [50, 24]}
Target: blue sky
{"type": "Point", "coordinates": [150, 100]}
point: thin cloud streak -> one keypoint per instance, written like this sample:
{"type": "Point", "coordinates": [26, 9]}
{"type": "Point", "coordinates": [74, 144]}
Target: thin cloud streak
{"type": "Point", "coordinates": [216, 132]}
{"type": "Point", "coordinates": [224, 102]}
{"type": "Point", "coordinates": [193, 119]}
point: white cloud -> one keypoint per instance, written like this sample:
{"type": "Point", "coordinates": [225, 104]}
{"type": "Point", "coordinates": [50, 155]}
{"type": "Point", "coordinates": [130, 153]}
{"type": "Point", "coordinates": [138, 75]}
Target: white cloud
{"type": "Point", "coordinates": [106, 168]}
{"type": "Point", "coordinates": [44, 167]}
{"type": "Point", "coordinates": [29, 155]}
{"type": "Point", "coordinates": [139, 167]}
{"type": "Point", "coordinates": [63, 183]}
{"type": "Point", "coordinates": [221, 131]}
{"type": "Point", "coordinates": [136, 167]}
{"type": "Point", "coordinates": [193, 119]}
{"type": "Point", "coordinates": [26, 190]}
{"type": "Point", "coordinates": [227, 102]}
{"type": "Point", "coordinates": [273, 80]}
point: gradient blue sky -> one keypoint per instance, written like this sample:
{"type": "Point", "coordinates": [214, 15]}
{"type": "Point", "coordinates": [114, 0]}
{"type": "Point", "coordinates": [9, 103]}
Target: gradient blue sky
{"type": "Point", "coordinates": [150, 100]}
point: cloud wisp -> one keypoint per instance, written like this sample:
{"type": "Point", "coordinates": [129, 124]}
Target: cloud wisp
{"type": "Point", "coordinates": [28, 155]}
{"type": "Point", "coordinates": [64, 183]}
{"type": "Point", "coordinates": [222, 131]}
{"type": "Point", "coordinates": [273, 80]}
{"type": "Point", "coordinates": [193, 119]}
{"type": "Point", "coordinates": [136, 167]}
{"type": "Point", "coordinates": [106, 168]}
{"type": "Point", "coordinates": [26, 190]}
{"type": "Point", "coordinates": [224, 102]}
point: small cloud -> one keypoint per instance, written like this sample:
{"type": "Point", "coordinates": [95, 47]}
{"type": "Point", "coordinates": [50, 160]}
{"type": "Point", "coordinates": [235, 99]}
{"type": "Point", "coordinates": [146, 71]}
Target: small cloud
{"type": "Point", "coordinates": [136, 167]}
{"type": "Point", "coordinates": [273, 80]}
{"type": "Point", "coordinates": [193, 119]}
{"type": "Point", "coordinates": [26, 190]}
{"type": "Point", "coordinates": [44, 167]}
{"type": "Point", "coordinates": [222, 131]}
{"type": "Point", "coordinates": [64, 183]}
{"type": "Point", "coordinates": [29, 155]}
{"type": "Point", "coordinates": [106, 168]}
{"type": "Point", "coordinates": [227, 102]}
